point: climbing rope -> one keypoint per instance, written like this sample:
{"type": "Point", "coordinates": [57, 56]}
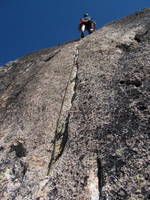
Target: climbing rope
{"type": "Point", "coordinates": [52, 159]}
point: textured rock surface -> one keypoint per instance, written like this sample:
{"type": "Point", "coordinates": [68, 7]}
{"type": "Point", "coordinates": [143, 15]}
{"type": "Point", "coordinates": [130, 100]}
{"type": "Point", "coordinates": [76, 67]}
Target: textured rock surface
{"type": "Point", "coordinates": [101, 150]}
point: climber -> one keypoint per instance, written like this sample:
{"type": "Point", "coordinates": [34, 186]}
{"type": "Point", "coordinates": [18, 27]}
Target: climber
{"type": "Point", "coordinates": [87, 23]}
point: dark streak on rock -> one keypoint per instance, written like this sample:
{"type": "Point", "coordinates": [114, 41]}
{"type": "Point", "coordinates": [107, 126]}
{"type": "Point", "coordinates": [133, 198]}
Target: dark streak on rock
{"type": "Point", "coordinates": [141, 106]}
{"type": "Point", "coordinates": [51, 56]}
{"type": "Point", "coordinates": [75, 79]}
{"type": "Point", "coordinates": [140, 37]}
{"type": "Point", "coordinates": [100, 177]}
{"type": "Point", "coordinates": [1, 148]}
{"type": "Point", "coordinates": [19, 150]}
{"type": "Point", "coordinates": [64, 139]}
{"type": "Point", "coordinates": [136, 83]}
{"type": "Point", "coordinates": [124, 47]}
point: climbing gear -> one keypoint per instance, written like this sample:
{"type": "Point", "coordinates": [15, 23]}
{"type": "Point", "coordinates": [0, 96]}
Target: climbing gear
{"type": "Point", "coordinates": [87, 25]}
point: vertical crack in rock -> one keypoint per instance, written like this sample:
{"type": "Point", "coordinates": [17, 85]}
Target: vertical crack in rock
{"type": "Point", "coordinates": [64, 139]}
{"type": "Point", "coordinates": [77, 67]}
{"type": "Point", "coordinates": [63, 134]}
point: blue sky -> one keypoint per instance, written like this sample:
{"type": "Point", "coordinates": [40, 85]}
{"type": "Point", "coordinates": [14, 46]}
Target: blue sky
{"type": "Point", "coordinates": [27, 25]}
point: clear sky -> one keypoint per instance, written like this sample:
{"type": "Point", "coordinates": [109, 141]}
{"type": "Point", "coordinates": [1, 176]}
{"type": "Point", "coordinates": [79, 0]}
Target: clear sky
{"type": "Point", "coordinates": [27, 25]}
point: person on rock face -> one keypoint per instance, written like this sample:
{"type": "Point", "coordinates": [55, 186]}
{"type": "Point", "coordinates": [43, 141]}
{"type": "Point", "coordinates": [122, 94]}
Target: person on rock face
{"type": "Point", "coordinates": [87, 23]}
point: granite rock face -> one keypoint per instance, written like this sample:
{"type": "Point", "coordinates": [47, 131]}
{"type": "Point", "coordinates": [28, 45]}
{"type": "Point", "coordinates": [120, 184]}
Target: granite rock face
{"type": "Point", "coordinates": [96, 148]}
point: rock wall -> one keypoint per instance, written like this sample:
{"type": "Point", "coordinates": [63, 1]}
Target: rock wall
{"type": "Point", "coordinates": [96, 146]}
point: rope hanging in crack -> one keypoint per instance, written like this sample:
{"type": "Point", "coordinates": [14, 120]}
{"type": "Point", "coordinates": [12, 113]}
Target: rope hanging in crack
{"type": "Point", "coordinates": [58, 120]}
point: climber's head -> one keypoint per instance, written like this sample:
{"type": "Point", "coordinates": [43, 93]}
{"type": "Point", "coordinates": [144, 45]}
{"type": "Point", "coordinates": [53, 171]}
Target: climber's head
{"type": "Point", "coordinates": [86, 15]}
